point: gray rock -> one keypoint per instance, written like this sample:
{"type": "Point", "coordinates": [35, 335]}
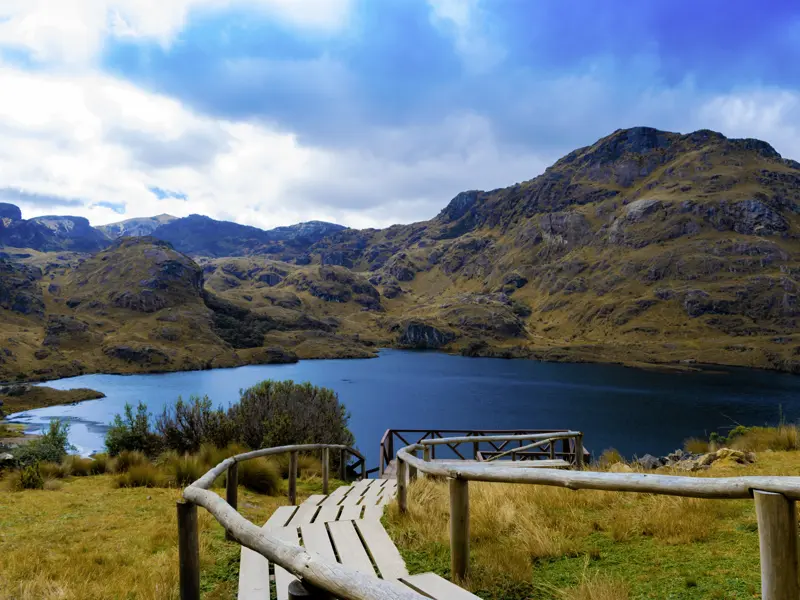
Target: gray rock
{"type": "Point", "coordinates": [639, 209]}
{"type": "Point", "coordinates": [6, 457]}
{"type": "Point", "coordinates": [648, 461]}
{"type": "Point", "coordinates": [416, 334]}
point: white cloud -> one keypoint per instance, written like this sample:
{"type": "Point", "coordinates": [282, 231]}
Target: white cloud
{"type": "Point", "coordinates": [74, 31]}
{"type": "Point", "coordinates": [106, 142]}
{"type": "Point", "coordinates": [468, 23]}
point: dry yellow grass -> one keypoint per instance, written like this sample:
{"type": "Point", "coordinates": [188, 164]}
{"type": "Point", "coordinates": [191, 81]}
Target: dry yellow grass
{"type": "Point", "coordinates": [757, 439]}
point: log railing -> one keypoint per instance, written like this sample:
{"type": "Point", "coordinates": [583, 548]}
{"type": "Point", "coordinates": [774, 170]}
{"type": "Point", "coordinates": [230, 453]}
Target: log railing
{"type": "Point", "coordinates": [774, 498]}
{"type": "Point", "coordinates": [317, 578]}
{"type": "Point", "coordinates": [478, 446]}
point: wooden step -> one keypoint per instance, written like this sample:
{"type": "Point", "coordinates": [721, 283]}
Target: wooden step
{"type": "Point", "coordinates": [433, 586]}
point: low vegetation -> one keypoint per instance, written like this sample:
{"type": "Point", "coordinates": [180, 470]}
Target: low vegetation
{"type": "Point", "coordinates": [784, 437]}
{"type": "Point", "coordinates": [19, 398]}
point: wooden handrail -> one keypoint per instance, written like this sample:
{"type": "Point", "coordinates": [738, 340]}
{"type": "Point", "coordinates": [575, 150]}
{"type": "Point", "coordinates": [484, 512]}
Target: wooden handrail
{"type": "Point", "coordinates": [775, 498]}
{"type": "Point", "coordinates": [333, 578]}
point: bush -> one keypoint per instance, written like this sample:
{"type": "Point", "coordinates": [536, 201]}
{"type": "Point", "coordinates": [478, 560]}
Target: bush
{"type": "Point", "coordinates": [132, 432]}
{"type": "Point", "coordinates": [187, 425]}
{"type": "Point", "coordinates": [103, 463]}
{"type": "Point", "coordinates": [280, 413]}
{"type": "Point", "coordinates": [77, 465]}
{"type": "Point", "coordinates": [260, 475]}
{"type": "Point", "coordinates": [51, 447]}
{"type": "Point", "coordinates": [51, 470]}
{"type": "Point", "coordinates": [609, 457]}
{"type": "Point", "coordinates": [307, 465]}
{"type": "Point", "coordinates": [30, 478]}
{"type": "Point", "coordinates": [181, 470]}
{"type": "Point", "coordinates": [144, 475]}
{"type": "Point", "coordinates": [758, 439]}
{"type": "Point", "coordinates": [128, 459]}
{"type": "Point", "coordinates": [696, 446]}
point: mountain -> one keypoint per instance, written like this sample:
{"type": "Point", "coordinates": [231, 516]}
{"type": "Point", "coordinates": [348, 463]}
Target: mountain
{"type": "Point", "coordinates": [135, 227]}
{"type": "Point", "coordinates": [647, 247]}
{"type": "Point", "coordinates": [48, 233]}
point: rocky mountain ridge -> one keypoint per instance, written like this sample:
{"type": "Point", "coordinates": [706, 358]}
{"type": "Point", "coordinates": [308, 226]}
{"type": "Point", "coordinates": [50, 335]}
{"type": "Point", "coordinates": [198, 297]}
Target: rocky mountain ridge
{"type": "Point", "coordinates": [647, 247]}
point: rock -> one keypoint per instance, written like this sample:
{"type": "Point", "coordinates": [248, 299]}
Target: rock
{"type": "Point", "coordinates": [6, 457]}
{"type": "Point", "coordinates": [620, 468]}
{"type": "Point", "coordinates": [142, 355]}
{"type": "Point", "coordinates": [61, 329]}
{"type": "Point", "coordinates": [420, 335]}
{"type": "Point", "coordinates": [639, 209]}
{"type": "Point", "coordinates": [514, 280]}
{"type": "Point", "coordinates": [10, 211]}
{"type": "Point", "coordinates": [392, 291]}
{"type": "Point", "coordinates": [648, 461]}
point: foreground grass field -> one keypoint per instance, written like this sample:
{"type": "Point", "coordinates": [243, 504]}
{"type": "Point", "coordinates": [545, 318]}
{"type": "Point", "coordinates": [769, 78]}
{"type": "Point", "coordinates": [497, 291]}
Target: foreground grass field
{"type": "Point", "coordinates": [545, 542]}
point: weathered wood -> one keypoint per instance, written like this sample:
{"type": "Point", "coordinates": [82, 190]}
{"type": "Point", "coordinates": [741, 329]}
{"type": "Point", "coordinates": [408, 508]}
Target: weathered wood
{"type": "Point", "coordinates": [459, 528]}
{"type": "Point", "coordinates": [557, 463]}
{"type": "Point", "coordinates": [335, 497]}
{"type": "Point", "coordinates": [293, 478]}
{"type": "Point", "coordinates": [475, 450]}
{"type": "Point", "coordinates": [777, 536]}
{"type": "Point", "coordinates": [232, 489]}
{"type": "Point", "coordinates": [343, 465]}
{"type": "Point", "coordinates": [521, 448]}
{"type": "Point", "coordinates": [314, 499]}
{"type": "Point", "coordinates": [189, 550]}
{"type": "Point", "coordinates": [305, 514]}
{"type": "Point", "coordinates": [325, 467]}
{"type": "Point", "coordinates": [351, 512]}
{"type": "Point", "coordinates": [381, 548]}
{"type": "Point", "coordinates": [552, 450]}
{"type": "Point", "coordinates": [283, 578]}
{"type": "Point", "coordinates": [402, 485]}
{"type": "Point", "coordinates": [672, 485]}
{"type": "Point", "coordinates": [434, 586]}
{"type": "Point", "coordinates": [497, 438]}
{"type": "Point", "coordinates": [304, 591]}
{"type": "Point", "coordinates": [280, 517]}
{"type": "Point", "coordinates": [412, 471]}
{"type": "Point", "coordinates": [253, 576]}
{"type": "Point", "coordinates": [579, 452]}
{"type": "Point", "coordinates": [348, 546]}
{"type": "Point", "coordinates": [327, 513]}
{"type": "Point", "coordinates": [316, 540]}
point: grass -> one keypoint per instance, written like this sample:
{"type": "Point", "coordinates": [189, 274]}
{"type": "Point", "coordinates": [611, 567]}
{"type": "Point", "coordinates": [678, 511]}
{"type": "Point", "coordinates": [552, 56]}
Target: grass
{"type": "Point", "coordinates": [22, 398]}
{"type": "Point", "coordinates": [90, 541]}
{"type": "Point", "coordinates": [547, 542]}
{"type": "Point", "coordinates": [758, 439]}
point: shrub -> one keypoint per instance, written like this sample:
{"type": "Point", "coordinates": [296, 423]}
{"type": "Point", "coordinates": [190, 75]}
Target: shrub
{"type": "Point", "coordinates": [132, 432]}
{"type": "Point", "coordinates": [77, 465]}
{"type": "Point", "coordinates": [280, 413]}
{"type": "Point", "coordinates": [51, 470]}
{"type": "Point", "coordinates": [696, 446]}
{"type": "Point", "coordinates": [181, 469]}
{"type": "Point", "coordinates": [609, 457]}
{"type": "Point", "coordinates": [51, 447]}
{"type": "Point", "coordinates": [260, 475]}
{"type": "Point", "coordinates": [143, 475]}
{"type": "Point", "coordinates": [30, 478]}
{"type": "Point", "coordinates": [307, 465]}
{"type": "Point", "coordinates": [758, 439]}
{"type": "Point", "coordinates": [128, 459]}
{"type": "Point", "coordinates": [103, 463]}
{"type": "Point", "coordinates": [185, 426]}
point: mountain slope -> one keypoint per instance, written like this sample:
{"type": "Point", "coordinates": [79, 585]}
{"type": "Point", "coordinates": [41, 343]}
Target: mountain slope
{"type": "Point", "coordinates": [135, 227]}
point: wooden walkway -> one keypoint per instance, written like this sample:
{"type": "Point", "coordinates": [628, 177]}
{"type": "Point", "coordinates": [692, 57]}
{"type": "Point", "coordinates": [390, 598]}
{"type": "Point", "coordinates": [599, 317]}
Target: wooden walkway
{"type": "Point", "coordinates": [390, 472]}
{"type": "Point", "coordinates": [342, 527]}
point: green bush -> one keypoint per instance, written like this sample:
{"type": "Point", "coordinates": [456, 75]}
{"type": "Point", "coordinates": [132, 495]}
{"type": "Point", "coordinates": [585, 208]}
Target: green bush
{"type": "Point", "coordinates": [185, 426]}
{"type": "Point", "coordinates": [144, 475]}
{"type": "Point", "coordinates": [128, 459]}
{"type": "Point", "coordinates": [132, 432]}
{"type": "Point", "coordinates": [30, 478]}
{"type": "Point", "coordinates": [51, 447]}
{"type": "Point", "coordinates": [260, 475]}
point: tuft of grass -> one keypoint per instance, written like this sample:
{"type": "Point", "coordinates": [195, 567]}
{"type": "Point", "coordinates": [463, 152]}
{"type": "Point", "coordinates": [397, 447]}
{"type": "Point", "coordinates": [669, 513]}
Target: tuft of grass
{"type": "Point", "coordinates": [181, 470]}
{"type": "Point", "coordinates": [696, 445]}
{"type": "Point", "coordinates": [609, 457]}
{"type": "Point", "coordinates": [307, 465]}
{"type": "Point", "coordinates": [27, 478]}
{"type": "Point", "coordinates": [77, 465]}
{"type": "Point", "coordinates": [757, 439]}
{"type": "Point", "coordinates": [145, 475]}
{"type": "Point", "coordinates": [51, 470]}
{"type": "Point", "coordinates": [130, 458]}
{"type": "Point", "coordinates": [260, 475]}
{"type": "Point", "coordinates": [596, 586]}
{"type": "Point", "coordinates": [103, 463]}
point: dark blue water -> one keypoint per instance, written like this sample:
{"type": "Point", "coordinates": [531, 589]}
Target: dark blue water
{"type": "Point", "coordinates": [632, 410]}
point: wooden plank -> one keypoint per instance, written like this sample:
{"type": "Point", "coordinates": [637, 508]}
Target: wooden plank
{"type": "Point", "coordinates": [430, 584]}
{"type": "Point", "coordinates": [380, 547]}
{"type": "Point", "coordinates": [317, 540]}
{"type": "Point", "coordinates": [336, 496]}
{"type": "Point", "coordinates": [253, 576]}
{"type": "Point", "coordinates": [351, 512]}
{"type": "Point", "coordinates": [372, 493]}
{"type": "Point", "coordinates": [349, 547]}
{"type": "Point", "coordinates": [373, 512]}
{"type": "Point", "coordinates": [777, 537]}
{"type": "Point", "coordinates": [315, 499]}
{"type": "Point", "coordinates": [282, 577]}
{"type": "Point", "coordinates": [351, 500]}
{"type": "Point", "coordinates": [360, 486]}
{"type": "Point", "coordinates": [280, 517]}
{"type": "Point", "coordinates": [557, 463]}
{"type": "Point", "coordinates": [305, 514]}
{"type": "Point", "coordinates": [327, 513]}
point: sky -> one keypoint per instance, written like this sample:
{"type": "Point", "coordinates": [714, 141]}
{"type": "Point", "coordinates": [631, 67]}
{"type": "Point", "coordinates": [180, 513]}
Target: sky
{"type": "Point", "coordinates": [361, 112]}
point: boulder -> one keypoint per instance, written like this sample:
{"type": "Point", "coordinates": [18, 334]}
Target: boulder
{"type": "Point", "coordinates": [648, 461]}
{"type": "Point", "coordinates": [420, 335]}
{"type": "Point", "coordinates": [145, 355]}
{"type": "Point", "coordinates": [620, 468]}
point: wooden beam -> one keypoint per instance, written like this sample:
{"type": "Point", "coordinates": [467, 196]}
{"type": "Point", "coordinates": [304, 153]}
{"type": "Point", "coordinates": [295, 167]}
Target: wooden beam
{"type": "Point", "coordinates": [459, 529]}
{"type": "Point", "coordinates": [325, 467]}
{"type": "Point", "coordinates": [232, 490]}
{"type": "Point", "coordinates": [188, 551]}
{"type": "Point", "coordinates": [402, 486]}
{"type": "Point", "coordinates": [293, 478]}
{"type": "Point", "coordinates": [777, 536]}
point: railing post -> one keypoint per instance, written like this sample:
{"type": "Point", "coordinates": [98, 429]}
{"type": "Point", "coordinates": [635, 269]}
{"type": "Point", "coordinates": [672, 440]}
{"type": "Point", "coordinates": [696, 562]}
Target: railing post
{"type": "Point", "coordinates": [188, 551]}
{"type": "Point", "coordinates": [299, 590]}
{"type": "Point", "coordinates": [459, 528]}
{"type": "Point", "coordinates": [363, 469]}
{"type": "Point", "coordinates": [552, 449]}
{"type": "Point", "coordinates": [325, 465]}
{"type": "Point", "coordinates": [579, 452]}
{"type": "Point", "coordinates": [412, 470]}
{"type": "Point", "coordinates": [232, 490]}
{"type": "Point", "coordinates": [343, 465]}
{"type": "Point", "coordinates": [426, 455]}
{"type": "Point", "coordinates": [475, 448]}
{"type": "Point", "coordinates": [293, 478]}
{"type": "Point", "coordinates": [777, 538]}
{"type": "Point", "coordinates": [402, 486]}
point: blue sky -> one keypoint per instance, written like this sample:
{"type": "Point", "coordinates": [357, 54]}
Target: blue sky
{"type": "Point", "coordinates": [364, 112]}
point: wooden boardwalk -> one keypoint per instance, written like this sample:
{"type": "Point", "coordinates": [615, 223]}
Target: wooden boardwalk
{"type": "Point", "coordinates": [390, 471]}
{"type": "Point", "coordinates": [342, 527]}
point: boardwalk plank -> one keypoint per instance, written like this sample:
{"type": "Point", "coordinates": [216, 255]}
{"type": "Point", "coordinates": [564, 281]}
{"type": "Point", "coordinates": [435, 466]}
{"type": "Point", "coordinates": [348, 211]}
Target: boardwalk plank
{"type": "Point", "coordinates": [381, 549]}
{"type": "Point", "coordinates": [253, 576]}
{"type": "Point", "coordinates": [327, 513]}
{"type": "Point", "coordinates": [280, 517]}
{"type": "Point", "coordinates": [305, 514]}
{"type": "Point", "coordinates": [430, 584]}
{"type": "Point", "coordinates": [282, 577]}
{"type": "Point", "coordinates": [317, 541]}
{"type": "Point", "coordinates": [351, 512]}
{"type": "Point", "coordinates": [373, 512]}
{"type": "Point", "coordinates": [351, 499]}
{"type": "Point", "coordinates": [349, 547]}
{"type": "Point", "coordinates": [335, 497]}
{"type": "Point", "coordinates": [316, 499]}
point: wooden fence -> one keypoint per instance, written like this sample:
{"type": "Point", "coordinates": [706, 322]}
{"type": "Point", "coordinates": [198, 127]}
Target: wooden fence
{"type": "Point", "coordinates": [774, 498]}
{"type": "Point", "coordinates": [481, 447]}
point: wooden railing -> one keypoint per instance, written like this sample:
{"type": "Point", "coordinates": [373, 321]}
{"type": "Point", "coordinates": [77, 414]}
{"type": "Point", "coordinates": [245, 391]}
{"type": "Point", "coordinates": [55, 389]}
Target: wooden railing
{"type": "Point", "coordinates": [316, 578]}
{"type": "Point", "coordinates": [479, 448]}
{"type": "Point", "coordinates": [774, 498]}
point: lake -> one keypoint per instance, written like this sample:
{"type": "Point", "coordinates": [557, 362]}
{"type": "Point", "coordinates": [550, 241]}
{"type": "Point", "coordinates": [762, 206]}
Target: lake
{"type": "Point", "coordinates": [634, 411]}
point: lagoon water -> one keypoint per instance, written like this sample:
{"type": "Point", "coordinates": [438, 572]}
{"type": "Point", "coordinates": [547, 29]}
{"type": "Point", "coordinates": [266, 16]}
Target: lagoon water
{"type": "Point", "coordinates": [634, 411]}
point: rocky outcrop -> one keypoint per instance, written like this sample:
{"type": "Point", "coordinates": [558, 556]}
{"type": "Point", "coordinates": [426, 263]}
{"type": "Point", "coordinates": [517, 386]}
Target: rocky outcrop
{"type": "Point", "coordinates": [143, 355]}
{"type": "Point", "coordinates": [64, 330]}
{"type": "Point", "coordinates": [10, 212]}
{"type": "Point", "coordinates": [19, 289]}
{"type": "Point", "coordinates": [421, 335]}
{"type": "Point", "coordinates": [685, 461]}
